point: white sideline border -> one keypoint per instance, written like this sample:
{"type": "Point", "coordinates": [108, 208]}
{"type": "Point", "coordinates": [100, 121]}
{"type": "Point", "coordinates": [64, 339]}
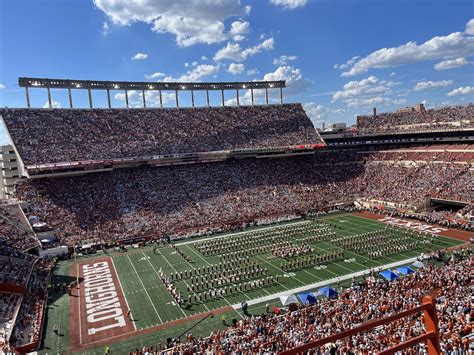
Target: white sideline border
{"type": "Point", "coordinates": [325, 282]}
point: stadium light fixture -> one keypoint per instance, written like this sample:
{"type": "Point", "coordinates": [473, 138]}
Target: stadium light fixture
{"type": "Point", "coordinates": [127, 85]}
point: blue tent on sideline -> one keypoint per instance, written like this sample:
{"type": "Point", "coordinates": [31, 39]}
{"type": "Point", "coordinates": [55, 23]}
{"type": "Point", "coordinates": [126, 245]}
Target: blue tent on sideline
{"type": "Point", "coordinates": [328, 292]}
{"type": "Point", "coordinates": [405, 270]}
{"type": "Point", "coordinates": [307, 297]}
{"type": "Point", "coordinates": [389, 275]}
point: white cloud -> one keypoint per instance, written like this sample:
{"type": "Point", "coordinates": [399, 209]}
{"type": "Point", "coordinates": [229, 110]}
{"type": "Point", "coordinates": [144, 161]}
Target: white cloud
{"type": "Point", "coordinates": [238, 29]}
{"type": "Point", "coordinates": [121, 95]}
{"type": "Point", "coordinates": [235, 68]}
{"type": "Point", "coordinates": [191, 21]}
{"type": "Point", "coordinates": [140, 56]}
{"type": "Point", "coordinates": [196, 74]}
{"type": "Point", "coordinates": [319, 113]}
{"type": "Point", "coordinates": [253, 71]}
{"type": "Point", "coordinates": [347, 64]}
{"type": "Point", "coordinates": [155, 75]}
{"type": "Point", "coordinates": [374, 101]}
{"type": "Point", "coordinates": [452, 63]}
{"type": "Point", "coordinates": [234, 52]}
{"type": "Point", "coordinates": [54, 104]}
{"type": "Point", "coordinates": [454, 45]}
{"type": "Point", "coordinates": [289, 4]}
{"type": "Point", "coordinates": [423, 85]}
{"type": "Point", "coordinates": [463, 90]}
{"type": "Point", "coordinates": [295, 82]}
{"type": "Point", "coordinates": [284, 59]}
{"type": "Point", "coordinates": [105, 29]}
{"type": "Point", "coordinates": [371, 85]}
{"type": "Point", "coordinates": [2, 86]}
{"type": "Point", "coordinates": [470, 27]}
{"type": "Point", "coordinates": [393, 74]}
{"type": "Point", "coordinates": [203, 57]}
{"type": "Point", "coordinates": [152, 98]}
{"type": "Point", "coordinates": [238, 38]}
{"type": "Point", "coordinates": [367, 92]}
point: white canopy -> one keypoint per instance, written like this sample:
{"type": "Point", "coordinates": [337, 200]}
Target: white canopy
{"type": "Point", "coordinates": [288, 299]}
{"type": "Point", "coordinates": [418, 264]}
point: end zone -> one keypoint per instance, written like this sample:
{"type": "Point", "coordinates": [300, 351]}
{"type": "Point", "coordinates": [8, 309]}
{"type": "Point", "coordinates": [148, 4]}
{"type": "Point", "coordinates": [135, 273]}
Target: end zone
{"type": "Point", "coordinates": [418, 226]}
{"type": "Point", "coordinates": [98, 307]}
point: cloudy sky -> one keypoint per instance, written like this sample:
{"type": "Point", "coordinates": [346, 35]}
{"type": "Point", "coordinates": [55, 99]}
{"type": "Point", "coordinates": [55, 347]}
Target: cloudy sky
{"type": "Point", "coordinates": [339, 57]}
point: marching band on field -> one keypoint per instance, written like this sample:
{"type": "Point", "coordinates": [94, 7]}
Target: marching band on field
{"type": "Point", "coordinates": [237, 273]}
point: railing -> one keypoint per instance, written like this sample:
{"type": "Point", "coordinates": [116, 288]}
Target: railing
{"type": "Point", "coordinates": [431, 337]}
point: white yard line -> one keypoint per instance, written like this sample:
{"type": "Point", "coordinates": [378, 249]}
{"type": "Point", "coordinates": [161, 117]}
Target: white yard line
{"type": "Point", "coordinates": [276, 267]}
{"type": "Point", "coordinates": [148, 259]}
{"type": "Point", "coordinates": [357, 255]}
{"type": "Point", "coordinates": [144, 288]}
{"type": "Point", "coordinates": [326, 282]}
{"type": "Point", "coordinates": [79, 296]}
{"type": "Point", "coordinates": [243, 232]}
{"type": "Point", "coordinates": [123, 292]}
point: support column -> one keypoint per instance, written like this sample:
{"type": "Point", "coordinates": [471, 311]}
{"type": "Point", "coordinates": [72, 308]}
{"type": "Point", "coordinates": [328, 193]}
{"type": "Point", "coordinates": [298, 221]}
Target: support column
{"type": "Point", "coordinates": [207, 98]}
{"type": "Point", "coordinates": [126, 98]}
{"type": "Point", "coordinates": [161, 100]}
{"type": "Point", "coordinates": [222, 97]}
{"type": "Point", "coordinates": [144, 100]}
{"type": "Point", "coordinates": [49, 98]}
{"type": "Point", "coordinates": [177, 98]}
{"type": "Point", "coordinates": [108, 98]}
{"type": "Point", "coordinates": [237, 95]}
{"type": "Point", "coordinates": [70, 97]}
{"type": "Point", "coordinates": [281, 95]}
{"type": "Point", "coordinates": [266, 96]}
{"type": "Point", "coordinates": [27, 97]}
{"type": "Point", "coordinates": [192, 97]}
{"type": "Point", "coordinates": [90, 97]}
{"type": "Point", "coordinates": [431, 325]}
{"type": "Point", "coordinates": [251, 94]}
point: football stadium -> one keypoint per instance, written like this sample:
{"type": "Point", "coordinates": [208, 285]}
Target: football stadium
{"type": "Point", "coordinates": [223, 221]}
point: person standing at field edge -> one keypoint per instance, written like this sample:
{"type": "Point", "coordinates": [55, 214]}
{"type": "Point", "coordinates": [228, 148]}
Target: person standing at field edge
{"type": "Point", "coordinates": [107, 349]}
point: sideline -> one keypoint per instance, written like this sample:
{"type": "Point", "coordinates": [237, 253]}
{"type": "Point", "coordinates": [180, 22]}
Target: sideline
{"type": "Point", "coordinates": [325, 282]}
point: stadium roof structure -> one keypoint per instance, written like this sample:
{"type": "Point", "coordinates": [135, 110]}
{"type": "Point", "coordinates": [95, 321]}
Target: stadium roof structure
{"type": "Point", "coordinates": [89, 85]}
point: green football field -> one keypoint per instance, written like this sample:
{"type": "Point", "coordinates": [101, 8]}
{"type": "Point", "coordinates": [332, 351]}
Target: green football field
{"type": "Point", "coordinates": [152, 305]}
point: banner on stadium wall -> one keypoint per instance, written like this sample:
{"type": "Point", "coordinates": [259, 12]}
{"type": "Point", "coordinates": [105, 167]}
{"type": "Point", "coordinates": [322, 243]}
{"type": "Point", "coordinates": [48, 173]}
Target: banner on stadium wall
{"type": "Point", "coordinates": [92, 164]}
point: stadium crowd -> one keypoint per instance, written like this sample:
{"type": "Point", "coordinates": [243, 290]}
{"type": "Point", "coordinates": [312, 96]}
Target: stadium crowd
{"type": "Point", "coordinates": [124, 204]}
{"type": "Point", "coordinates": [62, 135]}
{"type": "Point", "coordinates": [442, 118]}
{"type": "Point", "coordinates": [28, 323]}
{"type": "Point", "coordinates": [197, 199]}
{"type": "Point", "coordinates": [373, 298]}
{"type": "Point", "coordinates": [21, 312]}
{"type": "Point", "coordinates": [15, 229]}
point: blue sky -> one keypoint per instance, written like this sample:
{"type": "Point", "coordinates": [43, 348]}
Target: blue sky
{"type": "Point", "coordinates": [339, 57]}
